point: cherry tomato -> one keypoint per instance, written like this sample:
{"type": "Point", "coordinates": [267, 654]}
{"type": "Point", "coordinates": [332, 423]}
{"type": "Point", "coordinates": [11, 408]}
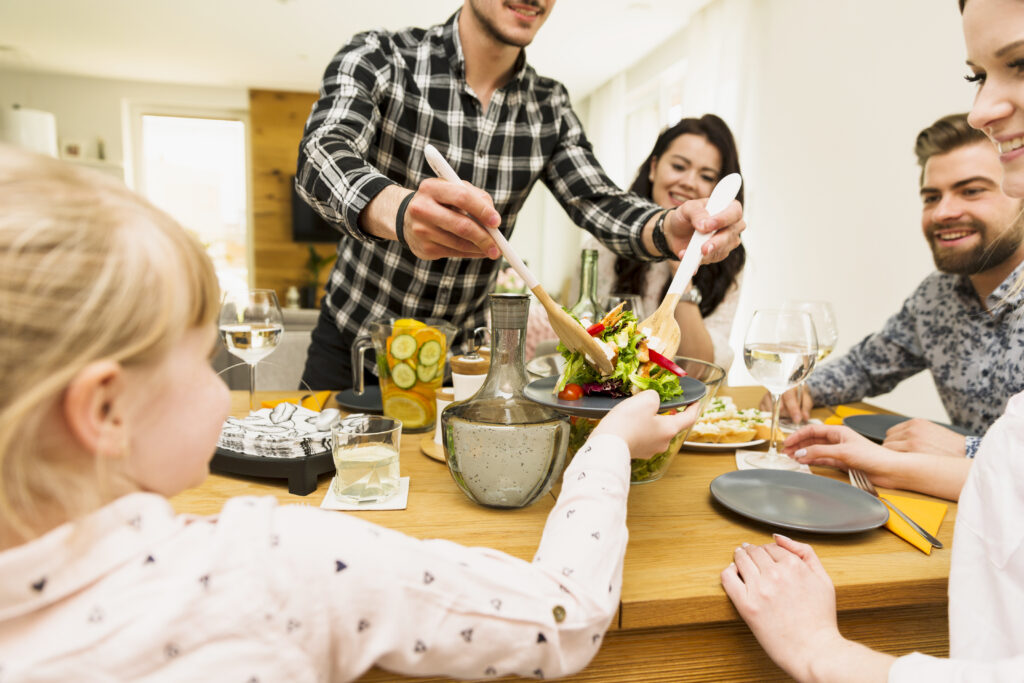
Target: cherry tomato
{"type": "Point", "coordinates": [572, 392]}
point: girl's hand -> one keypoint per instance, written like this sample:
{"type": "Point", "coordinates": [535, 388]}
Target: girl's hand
{"type": "Point", "coordinates": [788, 601]}
{"type": "Point", "coordinates": [636, 421]}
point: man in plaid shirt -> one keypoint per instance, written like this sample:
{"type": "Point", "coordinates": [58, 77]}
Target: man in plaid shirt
{"type": "Point", "coordinates": [409, 246]}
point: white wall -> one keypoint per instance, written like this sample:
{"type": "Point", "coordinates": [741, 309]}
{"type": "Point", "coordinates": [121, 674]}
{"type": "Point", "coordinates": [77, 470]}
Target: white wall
{"type": "Point", "coordinates": [91, 108]}
{"type": "Point", "coordinates": [840, 91]}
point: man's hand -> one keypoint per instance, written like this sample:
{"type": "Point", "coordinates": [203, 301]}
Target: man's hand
{"type": "Point", "coordinates": [924, 436]}
{"type": "Point", "coordinates": [691, 216]}
{"type": "Point", "coordinates": [439, 221]}
{"type": "Point", "coordinates": [798, 410]}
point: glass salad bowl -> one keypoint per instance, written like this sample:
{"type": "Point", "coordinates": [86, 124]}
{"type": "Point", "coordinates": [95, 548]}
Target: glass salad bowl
{"type": "Point", "coordinates": [644, 471]}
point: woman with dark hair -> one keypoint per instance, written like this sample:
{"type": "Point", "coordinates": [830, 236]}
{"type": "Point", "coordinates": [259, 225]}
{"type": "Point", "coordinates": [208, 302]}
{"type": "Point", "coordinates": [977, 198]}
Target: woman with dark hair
{"type": "Point", "coordinates": [686, 162]}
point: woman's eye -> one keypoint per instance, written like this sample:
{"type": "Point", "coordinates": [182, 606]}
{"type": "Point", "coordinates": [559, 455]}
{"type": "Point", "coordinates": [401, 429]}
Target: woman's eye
{"type": "Point", "coordinates": [975, 78]}
{"type": "Point", "coordinates": [1017, 65]}
{"type": "Point", "coordinates": [709, 178]}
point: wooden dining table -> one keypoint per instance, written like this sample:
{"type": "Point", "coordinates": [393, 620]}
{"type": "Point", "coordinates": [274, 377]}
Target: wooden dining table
{"type": "Point", "coordinates": [674, 622]}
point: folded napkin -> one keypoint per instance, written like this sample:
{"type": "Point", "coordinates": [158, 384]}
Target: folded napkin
{"type": "Point", "coordinates": [846, 411]}
{"type": "Point", "coordinates": [395, 502]}
{"type": "Point", "coordinates": [315, 401]}
{"type": "Point", "coordinates": [927, 513]}
{"type": "Point", "coordinates": [287, 431]}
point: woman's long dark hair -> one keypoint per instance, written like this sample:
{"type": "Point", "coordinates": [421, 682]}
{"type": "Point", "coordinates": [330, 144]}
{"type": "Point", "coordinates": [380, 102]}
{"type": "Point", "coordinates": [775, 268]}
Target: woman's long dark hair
{"type": "Point", "coordinates": [711, 280]}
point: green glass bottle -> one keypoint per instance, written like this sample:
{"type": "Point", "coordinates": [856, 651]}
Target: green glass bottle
{"type": "Point", "coordinates": [587, 309]}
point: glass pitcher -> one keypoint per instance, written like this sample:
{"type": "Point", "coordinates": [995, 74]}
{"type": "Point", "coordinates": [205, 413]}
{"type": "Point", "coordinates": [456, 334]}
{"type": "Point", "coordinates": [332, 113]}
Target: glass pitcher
{"type": "Point", "coordinates": [411, 359]}
{"type": "Point", "coordinates": [504, 450]}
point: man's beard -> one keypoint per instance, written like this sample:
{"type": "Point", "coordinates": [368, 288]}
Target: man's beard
{"type": "Point", "coordinates": [982, 257]}
{"type": "Point", "coordinates": [494, 32]}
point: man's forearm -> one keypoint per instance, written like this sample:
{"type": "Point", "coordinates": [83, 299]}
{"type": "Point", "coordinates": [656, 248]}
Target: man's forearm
{"type": "Point", "coordinates": [378, 218]}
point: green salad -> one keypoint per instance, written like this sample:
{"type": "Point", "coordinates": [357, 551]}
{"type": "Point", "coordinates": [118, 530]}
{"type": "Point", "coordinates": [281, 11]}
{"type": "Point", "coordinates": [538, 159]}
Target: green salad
{"type": "Point", "coordinates": [636, 367]}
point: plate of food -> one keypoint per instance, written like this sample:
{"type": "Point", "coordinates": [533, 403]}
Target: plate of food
{"type": "Point", "coordinates": [724, 427]}
{"type": "Point", "coordinates": [582, 390]}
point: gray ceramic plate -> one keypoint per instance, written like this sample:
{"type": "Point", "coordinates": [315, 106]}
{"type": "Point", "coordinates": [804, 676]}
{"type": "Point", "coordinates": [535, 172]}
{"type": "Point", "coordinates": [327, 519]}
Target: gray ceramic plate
{"type": "Point", "coordinates": [799, 501]}
{"type": "Point", "coordinates": [874, 427]}
{"type": "Point", "coordinates": [597, 406]}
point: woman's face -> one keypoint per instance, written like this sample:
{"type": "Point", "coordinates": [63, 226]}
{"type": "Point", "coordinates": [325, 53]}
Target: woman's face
{"type": "Point", "coordinates": [688, 169]}
{"type": "Point", "coordinates": [994, 33]}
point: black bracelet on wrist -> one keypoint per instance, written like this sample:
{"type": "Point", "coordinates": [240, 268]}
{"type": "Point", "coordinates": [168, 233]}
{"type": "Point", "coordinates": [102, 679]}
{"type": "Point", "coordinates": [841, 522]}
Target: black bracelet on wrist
{"type": "Point", "coordinates": [400, 219]}
{"type": "Point", "coordinates": [658, 236]}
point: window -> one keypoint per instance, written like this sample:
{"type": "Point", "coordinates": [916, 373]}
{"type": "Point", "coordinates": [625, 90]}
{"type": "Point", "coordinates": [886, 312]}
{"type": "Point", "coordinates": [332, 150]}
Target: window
{"type": "Point", "coordinates": [194, 168]}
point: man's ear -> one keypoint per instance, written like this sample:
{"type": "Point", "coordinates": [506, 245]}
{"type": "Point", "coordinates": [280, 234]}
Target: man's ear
{"type": "Point", "coordinates": [93, 409]}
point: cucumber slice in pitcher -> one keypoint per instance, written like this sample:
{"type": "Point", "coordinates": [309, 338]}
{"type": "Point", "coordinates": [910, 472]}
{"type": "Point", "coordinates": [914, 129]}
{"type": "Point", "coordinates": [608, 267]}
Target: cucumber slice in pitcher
{"type": "Point", "coordinates": [403, 376]}
{"type": "Point", "coordinates": [403, 346]}
{"type": "Point", "coordinates": [430, 352]}
{"type": "Point", "coordinates": [425, 373]}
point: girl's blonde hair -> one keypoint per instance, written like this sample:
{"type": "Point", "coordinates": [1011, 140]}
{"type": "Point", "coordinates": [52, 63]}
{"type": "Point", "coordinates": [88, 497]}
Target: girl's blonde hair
{"type": "Point", "coordinates": [88, 271]}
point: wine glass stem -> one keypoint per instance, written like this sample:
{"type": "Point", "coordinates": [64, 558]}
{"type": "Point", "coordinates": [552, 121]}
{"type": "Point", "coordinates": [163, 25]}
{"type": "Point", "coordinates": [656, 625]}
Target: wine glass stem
{"type": "Point", "coordinates": [252, 386]}
{"type": "Point", "coordinates": [776, 405]}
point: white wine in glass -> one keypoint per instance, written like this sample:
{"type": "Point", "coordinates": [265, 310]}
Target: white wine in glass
{"type": "Point", "coordinates": [779, 350]}
{"type": "Point", "coordinates": [251, 325]}
{"type": "Point", "coordinates": [828, 334]}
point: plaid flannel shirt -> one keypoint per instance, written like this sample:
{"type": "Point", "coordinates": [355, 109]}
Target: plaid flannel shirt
{"type": "Point", "coordinates": [384, 96]}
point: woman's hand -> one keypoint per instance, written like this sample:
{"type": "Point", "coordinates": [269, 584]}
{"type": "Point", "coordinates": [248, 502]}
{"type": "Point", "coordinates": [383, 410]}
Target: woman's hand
{"type": "Point", "coordinates": [636, 421]}
{"type": "Point", "coordinates": [843, 448]}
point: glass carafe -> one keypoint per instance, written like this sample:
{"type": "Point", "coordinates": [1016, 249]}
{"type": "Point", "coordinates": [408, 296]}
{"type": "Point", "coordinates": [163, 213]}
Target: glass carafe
{"type": "Point", "coordinates": [504, 450]}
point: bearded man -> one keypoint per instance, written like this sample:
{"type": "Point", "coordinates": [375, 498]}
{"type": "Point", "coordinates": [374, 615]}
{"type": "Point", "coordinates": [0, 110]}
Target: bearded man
{"type": "Point", "coordinates": [963, 323]}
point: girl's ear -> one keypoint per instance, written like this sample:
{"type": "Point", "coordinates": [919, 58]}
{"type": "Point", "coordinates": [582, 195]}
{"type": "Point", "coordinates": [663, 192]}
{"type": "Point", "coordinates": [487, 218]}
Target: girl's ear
{"type": "Point", "coordinates": [650, 171]}
{"type": "Point", "coordinates": [93, 409]}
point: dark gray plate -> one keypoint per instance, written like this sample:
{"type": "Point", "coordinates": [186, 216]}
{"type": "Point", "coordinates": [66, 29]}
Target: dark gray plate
{"type": "Point", "coordinates": [799, 501]}
{"type": "Point", "coordinates": [540, 390]}
{"type": "Point", "coordinates": [367, 402]}
{"type": "Point", "coordinates": [874, 427]}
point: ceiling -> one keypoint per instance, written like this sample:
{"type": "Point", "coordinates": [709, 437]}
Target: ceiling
{"type": "Point", "coordinates": [285, 44]}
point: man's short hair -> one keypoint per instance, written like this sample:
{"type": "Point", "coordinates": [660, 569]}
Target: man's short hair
{"type": "Point", "coordinates": [945, 135]}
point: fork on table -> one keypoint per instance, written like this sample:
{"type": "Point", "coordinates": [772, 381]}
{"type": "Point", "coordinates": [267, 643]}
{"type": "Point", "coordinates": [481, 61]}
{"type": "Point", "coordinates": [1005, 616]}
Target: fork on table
{"type": "Point", "coordinates": [861, 481]}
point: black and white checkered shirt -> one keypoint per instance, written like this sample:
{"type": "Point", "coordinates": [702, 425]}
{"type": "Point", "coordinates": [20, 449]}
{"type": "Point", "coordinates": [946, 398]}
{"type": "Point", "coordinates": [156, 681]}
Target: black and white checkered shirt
{"type": "Point", "coordinates": [386, 95]}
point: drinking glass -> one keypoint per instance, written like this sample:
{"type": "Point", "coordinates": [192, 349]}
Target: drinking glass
{"type": "Point", "coordinates": [365, 449]}
{"type": "Point", "coordinates": [779, 349]}
{"type": "Point", "coordinates": [251, 325]}
{"type": "Point", "coordinates": [824, 319]}
{"type": "Point", "coordinates": [634, 302]}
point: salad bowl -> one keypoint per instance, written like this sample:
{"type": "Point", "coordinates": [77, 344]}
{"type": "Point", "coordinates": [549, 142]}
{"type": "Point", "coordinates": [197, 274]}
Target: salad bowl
{"type": "Point", "coordinates": [709, 375]}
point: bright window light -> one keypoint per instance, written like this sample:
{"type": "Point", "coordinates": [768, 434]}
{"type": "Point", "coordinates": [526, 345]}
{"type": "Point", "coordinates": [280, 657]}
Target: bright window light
{"type": "Point", "coordinates": [194, 169]}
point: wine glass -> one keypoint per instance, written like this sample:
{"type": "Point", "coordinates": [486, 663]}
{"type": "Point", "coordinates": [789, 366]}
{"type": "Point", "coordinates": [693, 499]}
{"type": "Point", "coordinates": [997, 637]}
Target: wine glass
{"type": "Point", "coordinates": [634, 302]}
{"type": "Point", "coordinates": [828, 334]}
{"type": "Point", "coordinates": [251, 326]}
{"type": "Point", "coordinates": [780, 349]}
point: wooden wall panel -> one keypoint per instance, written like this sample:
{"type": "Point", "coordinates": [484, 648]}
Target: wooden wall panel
{"type": "Point", "coordinates": [276, 119]}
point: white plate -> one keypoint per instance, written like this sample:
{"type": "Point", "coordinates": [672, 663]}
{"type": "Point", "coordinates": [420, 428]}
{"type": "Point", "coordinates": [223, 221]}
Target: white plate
{"type": "Point", "coordinates": [720, 447]}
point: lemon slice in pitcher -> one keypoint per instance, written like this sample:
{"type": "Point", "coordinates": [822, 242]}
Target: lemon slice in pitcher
{"type": "Point", "coordinates": [408, 410]}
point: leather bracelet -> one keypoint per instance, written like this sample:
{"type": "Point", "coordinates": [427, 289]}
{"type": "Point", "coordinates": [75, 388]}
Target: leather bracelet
{"type": "Point", "coordinates": [658, 236]}
{"type": "Point", "coordinates": [400, 219]}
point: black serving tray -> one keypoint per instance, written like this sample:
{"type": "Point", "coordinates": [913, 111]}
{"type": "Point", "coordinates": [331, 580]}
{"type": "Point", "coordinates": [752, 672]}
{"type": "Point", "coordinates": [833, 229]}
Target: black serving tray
{"type": "Point", "coordinates": [301, 473]}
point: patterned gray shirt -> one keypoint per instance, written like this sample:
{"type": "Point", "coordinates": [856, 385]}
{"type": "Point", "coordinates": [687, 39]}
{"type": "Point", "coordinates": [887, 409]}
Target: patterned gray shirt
{"type": "Point", "coordinates": [384, 96]}
{"type": "Point", "coordinates": [975, 355]}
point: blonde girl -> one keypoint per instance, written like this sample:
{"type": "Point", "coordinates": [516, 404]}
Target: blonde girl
{"type": "Point", "coordinates": [109, 405]}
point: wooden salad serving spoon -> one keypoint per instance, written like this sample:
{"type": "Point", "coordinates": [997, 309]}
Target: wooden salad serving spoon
{"type": "Point", "coordinates": [572, 333]}
{"type": "Point", "coordinates": [661, 328]}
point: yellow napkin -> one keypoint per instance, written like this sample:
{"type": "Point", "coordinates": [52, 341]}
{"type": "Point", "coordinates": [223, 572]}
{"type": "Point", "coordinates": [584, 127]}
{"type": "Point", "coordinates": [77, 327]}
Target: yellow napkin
{"type": "Point", "coordinates": [927, 513]}
{"type": "Point", "coordinates": [315, 401]}
{"type": "Point", "coordinates": [845, 411]}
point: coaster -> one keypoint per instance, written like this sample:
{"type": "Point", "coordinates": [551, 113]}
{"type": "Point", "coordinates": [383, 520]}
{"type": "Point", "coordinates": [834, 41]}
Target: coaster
{"type": "Point", "coordinates": [432, 449]}
{"type": "Point", "coordinates": [742, 464]}
{"type": "Point", "coordinates": [395, 502]}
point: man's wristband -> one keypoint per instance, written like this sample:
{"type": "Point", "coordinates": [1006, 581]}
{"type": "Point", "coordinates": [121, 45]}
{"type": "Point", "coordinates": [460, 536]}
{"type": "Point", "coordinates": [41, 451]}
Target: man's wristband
{"type": "Point", "coordinates": [658, 236]}
{"type": "Point", "coordinates": [400, 219]}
